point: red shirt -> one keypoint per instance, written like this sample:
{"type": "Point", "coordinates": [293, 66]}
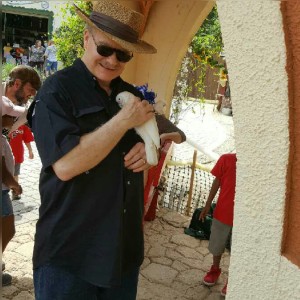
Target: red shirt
{"type": "Point", "coordinates": [225, 171]}
{"type": "Point", "coordinates": [16, 139]}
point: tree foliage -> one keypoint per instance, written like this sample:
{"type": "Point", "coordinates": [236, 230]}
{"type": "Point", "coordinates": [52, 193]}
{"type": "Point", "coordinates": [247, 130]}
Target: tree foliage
{"type": "Point", "coordinates": [203, 52]}
{"type": "Point", "coordinates": [69, 36]}
{"type": "Point", "coordinates": [207, 43]}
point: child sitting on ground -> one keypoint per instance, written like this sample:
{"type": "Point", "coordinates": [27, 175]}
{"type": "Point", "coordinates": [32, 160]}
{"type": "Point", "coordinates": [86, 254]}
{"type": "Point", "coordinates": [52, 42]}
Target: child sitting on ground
{"type": "Point", "coordinates": [225, 173]}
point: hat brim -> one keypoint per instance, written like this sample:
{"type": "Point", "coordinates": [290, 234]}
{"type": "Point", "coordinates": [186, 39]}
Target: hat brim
{"type": "Point", "coordinates": [138, 47]}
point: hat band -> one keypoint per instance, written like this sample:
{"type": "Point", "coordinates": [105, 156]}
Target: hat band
{"type": "Point", "coordinates": [114, 27]}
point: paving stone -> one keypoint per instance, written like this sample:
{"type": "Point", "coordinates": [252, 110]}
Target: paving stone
{"type": "Point", "coordinates": [157, 239]}
{"type": "Point", "coordinates": [12, 245]}
{"type": "Point", "coordinates": [146, 262]}
{"type": "Point", "coordinates": [191, 276]}
{"type": "Point", "coordinates": [157, 227]}
{"type": "Point", "coordinates": [198, 292]}
{"type": "Point", "coordinates": [184, 240]}
{"type": "Point", "coordinates": [177, 265]}
{"type": "Point", "coordinates": [174, 255]}
{"type": "Point", "coordinates": [192, 262]}
{"type": "Point", "coordinates": [170, 245]}
{"type": "Point", "coordinates": [175, 219]}
{"type": "Point", "coordinates": [162, 261]}
{"type": "Point", "coordinates": [8, 291]}
{"type": "Point", "coordinates": [215, 296]}
{"type": "Point", "coordinates": [26, 249]}
{"type": "Point", "coordinates": [202, 250]}
{"type": "Point", "coordinates": [156, 251]}
{"type": "Point", "coordinates": [155, 291]}
{"type": "Point", "coordinates": [159, 273]}
{"type": "Point", "coordinates": [23, 296]}
{"type": "Point", "coordinates": [187, 252]}
{"type": "Point", "coordinates": [26, 282]}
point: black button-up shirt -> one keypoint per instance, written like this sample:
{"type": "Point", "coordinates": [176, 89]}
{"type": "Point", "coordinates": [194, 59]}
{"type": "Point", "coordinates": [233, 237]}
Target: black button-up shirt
{"type": "Point", "coordinates": [90, 225]}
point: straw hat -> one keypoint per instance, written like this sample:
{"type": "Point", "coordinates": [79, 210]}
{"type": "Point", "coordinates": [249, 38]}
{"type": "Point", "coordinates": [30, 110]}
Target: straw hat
{"type": "Point", "coordinates": [118, 23]}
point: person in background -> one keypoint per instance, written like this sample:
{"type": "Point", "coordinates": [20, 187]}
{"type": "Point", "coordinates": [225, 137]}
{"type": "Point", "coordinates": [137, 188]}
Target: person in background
{"type": "Point", "coordinates": [21, 84]}
{"type": "Point", "coordinates": [17, 138]}
{"type": "Point", "coordinates": [6, 52]}
{"type": "Point", "coordinates": [225, 179]}
{"type": "Point", "coordinates": [9, 112]}
{"type": "Point", "coordinates": [51, 58]}
{"type": "Point", "coordinates": [91, 181]}
{"type": "Point", "coordinates": [36, 59]}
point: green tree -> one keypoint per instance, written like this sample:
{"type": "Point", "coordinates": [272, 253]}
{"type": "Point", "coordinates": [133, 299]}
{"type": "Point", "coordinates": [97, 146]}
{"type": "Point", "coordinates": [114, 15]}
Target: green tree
{"type": "Point", "coordinates": [207, 43]}
{"type": "Point", "coordinates": [203, 52]}
{"type": "Point", "coordinates": [68, 37]}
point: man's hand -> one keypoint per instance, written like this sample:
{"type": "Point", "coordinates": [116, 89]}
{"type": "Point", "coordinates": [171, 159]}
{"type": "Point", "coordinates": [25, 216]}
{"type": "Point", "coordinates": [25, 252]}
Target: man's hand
{"type": "Point", "coordinates": [135, 159]}
{"type": "Point", "coordinates": [203, 213]}
{"type": "Point", "coordinates": [17, 189]}
{"type": "Point", "coordinates": [136, 112]}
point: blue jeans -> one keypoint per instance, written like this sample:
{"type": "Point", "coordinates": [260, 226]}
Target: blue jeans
{"type": "Point", "coordinates": [51, 65]}
{"type": "Point", "coordinates": [55, 283]}
{"type": "Point", "coordinates": [7, 208]}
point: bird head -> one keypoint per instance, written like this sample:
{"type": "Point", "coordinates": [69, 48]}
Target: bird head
{"type": "Point", "coordinates": [123, 97]}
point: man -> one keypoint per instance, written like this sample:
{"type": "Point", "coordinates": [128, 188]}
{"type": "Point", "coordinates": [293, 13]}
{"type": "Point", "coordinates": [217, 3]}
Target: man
{"type": "Point", "coordinates": [51, 59]}
{"type": "Point", "coordinates": [89, 237]}
{"type": "Point", "coordinates": [22, 83]}
{"type": "Point", "coordinates": [8, 182]}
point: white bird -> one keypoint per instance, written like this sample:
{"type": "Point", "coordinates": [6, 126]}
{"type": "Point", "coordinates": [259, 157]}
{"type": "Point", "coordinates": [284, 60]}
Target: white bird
{"type": "Point", "coordinates": [147, 131]}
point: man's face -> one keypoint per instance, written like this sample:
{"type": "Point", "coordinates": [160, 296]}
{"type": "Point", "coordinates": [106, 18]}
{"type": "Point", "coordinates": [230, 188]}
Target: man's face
{"type": "Point", "coordinates": [24, 92]}
{"type": "Point", "coordinates": [105, 69]}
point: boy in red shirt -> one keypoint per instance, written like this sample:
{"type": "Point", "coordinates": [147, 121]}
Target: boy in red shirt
{"type": "Point", "coordinates": [225, 173]}
{"type": "Point", "coordinates": [16, 139]}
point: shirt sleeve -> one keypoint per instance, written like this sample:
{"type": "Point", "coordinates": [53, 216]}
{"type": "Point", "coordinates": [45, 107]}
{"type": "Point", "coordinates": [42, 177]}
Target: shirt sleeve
{"type": "Point", "coordinates": [27, 135]}
{"type": "Point", "coordinates": [166, 126]}
{"type": "Point", "coordinates": [217, 170]}
{"type": "Point", "coordinates": [54, 126]}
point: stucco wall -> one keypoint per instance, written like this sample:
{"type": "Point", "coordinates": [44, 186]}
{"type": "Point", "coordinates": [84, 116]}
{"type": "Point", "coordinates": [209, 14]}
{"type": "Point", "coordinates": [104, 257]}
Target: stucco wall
{"type": "Point", "coordinates": [256, 58]}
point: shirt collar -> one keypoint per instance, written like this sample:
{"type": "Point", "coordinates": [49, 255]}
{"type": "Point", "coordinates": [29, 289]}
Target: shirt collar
{"type": "Point", "coordinates": [79, 64]}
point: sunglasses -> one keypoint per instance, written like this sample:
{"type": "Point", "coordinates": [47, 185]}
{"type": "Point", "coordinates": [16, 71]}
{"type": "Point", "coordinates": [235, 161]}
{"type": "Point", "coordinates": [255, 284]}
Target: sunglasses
{"type": "Point", "coordinates": [107, 51]}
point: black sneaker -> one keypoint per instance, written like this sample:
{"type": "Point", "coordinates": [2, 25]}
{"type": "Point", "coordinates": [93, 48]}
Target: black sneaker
{"type": "Point", "coordinates": [6, 279]}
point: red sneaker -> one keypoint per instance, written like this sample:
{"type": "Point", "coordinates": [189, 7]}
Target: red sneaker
{"type": "Point", "coordinates": [212, 276]}
{"type": "Point", "coordinates": [224, 290]}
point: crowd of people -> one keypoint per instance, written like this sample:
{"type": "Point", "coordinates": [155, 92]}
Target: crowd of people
{"type": "Point", "coordinates": [42, 57]}
{"type": "Point", "coordinates": [89, 235]}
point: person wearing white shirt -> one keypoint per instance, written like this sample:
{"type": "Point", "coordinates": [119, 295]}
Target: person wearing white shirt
{"type": "Point", "coordinates": [51, 59]}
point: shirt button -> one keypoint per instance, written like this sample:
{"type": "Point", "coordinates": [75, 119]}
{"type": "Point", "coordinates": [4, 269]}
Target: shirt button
{"type": "Point", "coordinates": [123, 153]}
{"type": "Point", "coordinates": [124, 210]}
{"type": "Point", "coordinates": [128, 182]}
{"type": "Point", "coordinates": [87, 172]}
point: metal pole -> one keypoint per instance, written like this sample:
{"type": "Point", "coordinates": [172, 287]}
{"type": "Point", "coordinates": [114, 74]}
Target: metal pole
{"type": "Point", "coordinates": [188, 206]}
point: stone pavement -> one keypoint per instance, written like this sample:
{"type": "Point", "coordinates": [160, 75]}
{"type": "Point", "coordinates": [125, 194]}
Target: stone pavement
{"type": "Point", "coordinates": [174, 262]}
